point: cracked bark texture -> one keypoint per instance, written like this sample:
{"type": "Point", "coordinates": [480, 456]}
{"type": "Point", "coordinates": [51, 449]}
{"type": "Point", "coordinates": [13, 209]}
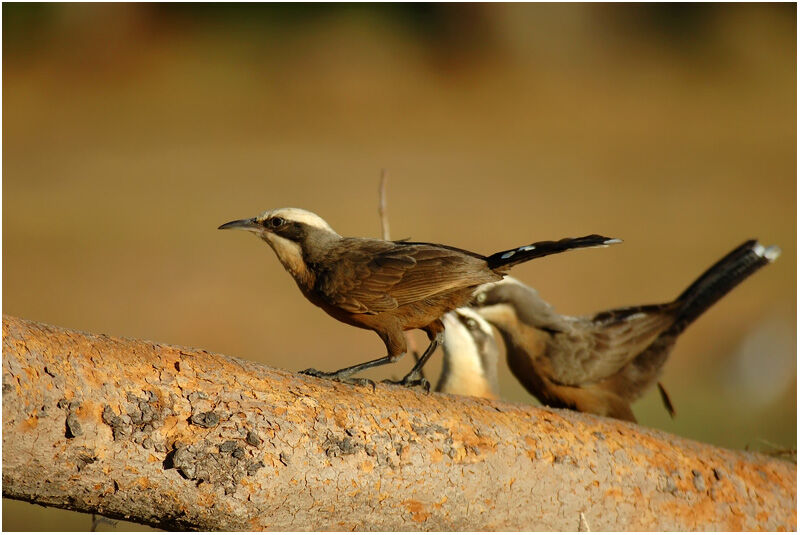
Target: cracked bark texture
{"type": "Point", "coordinates": [184, 439]}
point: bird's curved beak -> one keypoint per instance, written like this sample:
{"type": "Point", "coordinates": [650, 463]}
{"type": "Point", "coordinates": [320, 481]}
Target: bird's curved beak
{"type": "Point", "coordinates": [241, 224]}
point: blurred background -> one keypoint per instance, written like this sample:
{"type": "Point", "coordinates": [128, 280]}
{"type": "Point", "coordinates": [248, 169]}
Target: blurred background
{"type": "Point", "coordinates": [131, 131]}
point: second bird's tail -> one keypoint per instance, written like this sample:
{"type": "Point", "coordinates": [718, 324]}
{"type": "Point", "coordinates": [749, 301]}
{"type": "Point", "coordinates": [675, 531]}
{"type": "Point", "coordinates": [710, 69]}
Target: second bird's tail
{"type": "Point", "coordinates": [503, 260]}
{"type": "Point", "coordinates": [720, 279]}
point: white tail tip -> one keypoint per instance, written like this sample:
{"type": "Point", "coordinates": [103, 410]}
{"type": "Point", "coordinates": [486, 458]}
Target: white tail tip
{"type": "Point", "coordinates": [770, 253]}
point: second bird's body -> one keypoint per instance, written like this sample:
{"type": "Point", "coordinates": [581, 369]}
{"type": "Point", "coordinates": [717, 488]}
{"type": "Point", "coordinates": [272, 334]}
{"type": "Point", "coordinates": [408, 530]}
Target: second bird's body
{"type": "Point", "coordinates": [602, 363]}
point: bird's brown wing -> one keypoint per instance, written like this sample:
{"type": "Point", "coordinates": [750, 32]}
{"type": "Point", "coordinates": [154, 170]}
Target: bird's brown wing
{"type": "Point", "coordinates": [373, 276]}
{"type": "Point", "coordinates": [597, 348]}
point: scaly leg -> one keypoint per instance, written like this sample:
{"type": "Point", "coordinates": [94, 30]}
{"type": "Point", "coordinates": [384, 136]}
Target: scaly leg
{"type": "Point", "coordinates": [343, 375]}
{"type": "Point", "coordinates": [415, 377]}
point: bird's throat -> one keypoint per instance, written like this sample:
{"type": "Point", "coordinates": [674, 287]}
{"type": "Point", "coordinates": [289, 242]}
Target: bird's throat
{"type": "Point", "coordinates": [291, 256]}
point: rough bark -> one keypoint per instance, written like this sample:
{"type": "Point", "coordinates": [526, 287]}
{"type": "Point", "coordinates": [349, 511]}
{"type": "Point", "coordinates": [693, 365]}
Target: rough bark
{"type": "Point", "coordinates": [184, 439]}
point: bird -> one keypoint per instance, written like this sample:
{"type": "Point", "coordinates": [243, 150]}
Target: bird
{"type": "Point", "coordinates": [386, 286]}
{"type": "Point", "coordinates": [470, 355]}
{"type": "Point", "coordinates": [600, 364]}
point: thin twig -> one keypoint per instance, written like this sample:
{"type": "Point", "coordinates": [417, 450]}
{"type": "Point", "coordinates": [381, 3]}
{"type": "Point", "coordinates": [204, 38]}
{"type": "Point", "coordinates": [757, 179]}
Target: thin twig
{"type": "Point", "coordinates": [382, 206]}
{"type": "Point", "coordinates": [583, 525]}
{"type": "Point", "coordinates": [776, 450]}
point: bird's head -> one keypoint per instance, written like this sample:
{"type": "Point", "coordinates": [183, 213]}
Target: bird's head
{"type": "Point", "coordinates": [507, 301]}
{"type": "Point", "coordinates": [293, 233]}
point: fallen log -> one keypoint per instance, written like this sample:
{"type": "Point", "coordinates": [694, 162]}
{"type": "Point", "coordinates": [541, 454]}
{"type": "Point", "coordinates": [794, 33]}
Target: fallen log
{"type": "Point", "coordinates": [179, 438]}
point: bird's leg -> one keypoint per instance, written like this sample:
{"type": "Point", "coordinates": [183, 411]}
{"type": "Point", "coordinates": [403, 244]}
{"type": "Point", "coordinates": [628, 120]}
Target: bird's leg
{"type": "Point", "coordinates": [343, 375]}
{"type": "Point", "coordinates": [395, 349]}
{"type": "Point", "coordinates": [415, 377]}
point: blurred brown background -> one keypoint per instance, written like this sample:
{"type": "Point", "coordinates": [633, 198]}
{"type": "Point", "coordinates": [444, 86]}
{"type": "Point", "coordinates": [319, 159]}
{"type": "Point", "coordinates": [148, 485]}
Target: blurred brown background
{"type": "Point", "coordinates": [131, 132]}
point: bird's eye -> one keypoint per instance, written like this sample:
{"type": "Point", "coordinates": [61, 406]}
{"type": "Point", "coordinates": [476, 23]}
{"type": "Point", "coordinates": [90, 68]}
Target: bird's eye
{"type": "Point", "coordinates": [276, 222]}
{"type": "Point", "coordinates": [472, 324]}
{"type": "Point", "coordinates": [481, 297]}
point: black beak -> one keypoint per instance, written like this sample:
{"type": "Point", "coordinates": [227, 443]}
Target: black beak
{"type": "Point", "coordinates": [243, 224]}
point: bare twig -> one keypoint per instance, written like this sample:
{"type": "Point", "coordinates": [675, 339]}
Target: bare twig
{"type": "Point", "coordinates": [583, 525]}
{"type": "Point", "coordinates": [776, 450]}
{"type": "Point", "coordinates": [382, 206]}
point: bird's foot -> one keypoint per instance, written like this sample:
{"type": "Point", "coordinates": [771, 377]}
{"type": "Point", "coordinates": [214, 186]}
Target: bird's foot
{"type": "Point", "coordinates": [340, 378]}
{"type": "Point", "coordinates": [411, 380]}
{"type": "Point", "coordinates": [316, 373]}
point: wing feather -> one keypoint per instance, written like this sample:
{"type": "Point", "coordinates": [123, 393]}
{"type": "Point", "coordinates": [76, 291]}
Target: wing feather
{"type": "Point", "coordinates": [374, 276]}
{"type": "Point", "coordinates": [604, 344]}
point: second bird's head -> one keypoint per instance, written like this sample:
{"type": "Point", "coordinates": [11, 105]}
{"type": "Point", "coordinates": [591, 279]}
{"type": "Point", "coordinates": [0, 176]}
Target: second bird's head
{"type": "Point", "coordinates": [293, 233]}
{"type": "Point", "coordinates": [508, 301]}
{"type": "Point", "coordinates": [471, 354]}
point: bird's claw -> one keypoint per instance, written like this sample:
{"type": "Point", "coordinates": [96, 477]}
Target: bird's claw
{"type": "Point", "coordinates": [359, 381]}
{"type": "Point", "coordinates": [335, 376]}
{"type": "Point", "coordinates": [412, 380]}
{"type": "Point", "coordinates": [316, 373]}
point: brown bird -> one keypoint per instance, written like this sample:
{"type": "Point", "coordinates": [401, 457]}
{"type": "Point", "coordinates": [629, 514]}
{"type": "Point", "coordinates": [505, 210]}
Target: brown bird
{"type": "Point", "coordinates": [386, 286]}
{"type": "Point", "coordinates": [601, 364]}
{"type": "Point", "coordinates": [470, 355]}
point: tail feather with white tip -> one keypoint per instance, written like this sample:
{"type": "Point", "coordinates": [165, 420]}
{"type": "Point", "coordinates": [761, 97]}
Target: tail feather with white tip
{"type": "Point", "coordinates": [720, 279]}
{"type": "Point", "coordinates": [503, 260]}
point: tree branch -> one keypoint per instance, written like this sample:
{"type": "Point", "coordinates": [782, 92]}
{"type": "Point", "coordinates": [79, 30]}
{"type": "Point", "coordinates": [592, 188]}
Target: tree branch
{"type": "Point", "coordinates": [184, 439]}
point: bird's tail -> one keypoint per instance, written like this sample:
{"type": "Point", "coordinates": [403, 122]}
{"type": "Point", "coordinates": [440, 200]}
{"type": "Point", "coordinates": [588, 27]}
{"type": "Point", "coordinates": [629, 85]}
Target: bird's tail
{"type": "Point", "coordinates": [720, 279]}
{"type": "Point", "coordinates": [503, 260]}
